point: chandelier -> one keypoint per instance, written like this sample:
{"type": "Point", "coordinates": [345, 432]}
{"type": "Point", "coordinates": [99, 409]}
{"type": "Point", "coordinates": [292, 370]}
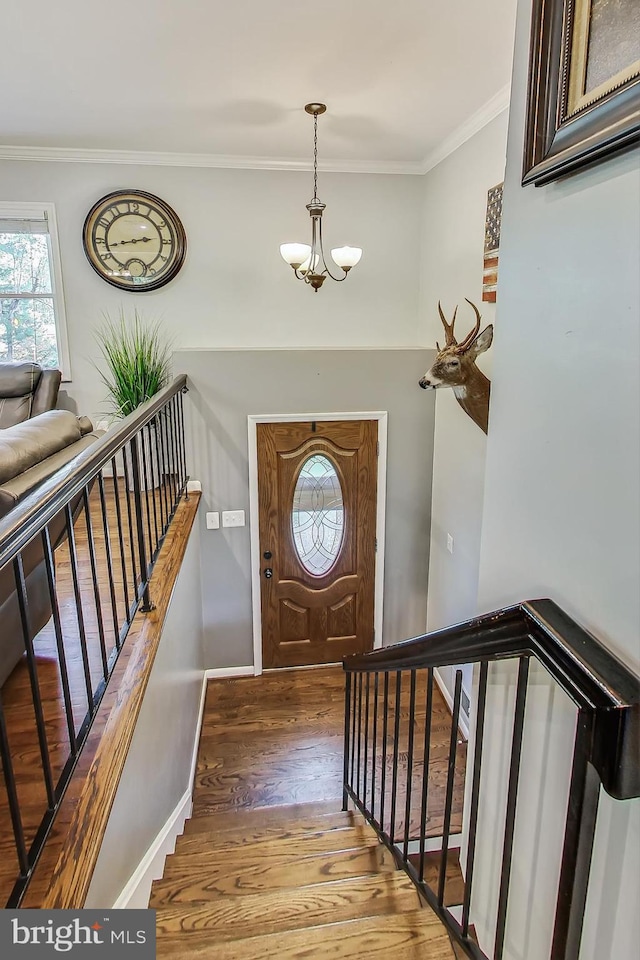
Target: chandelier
{"type": "Point", "coordinates": [308, 261]}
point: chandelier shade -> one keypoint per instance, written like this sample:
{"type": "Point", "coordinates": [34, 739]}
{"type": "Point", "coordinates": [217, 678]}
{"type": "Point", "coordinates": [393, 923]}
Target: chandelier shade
{"type": "Point", "coordinates": [308, 260]}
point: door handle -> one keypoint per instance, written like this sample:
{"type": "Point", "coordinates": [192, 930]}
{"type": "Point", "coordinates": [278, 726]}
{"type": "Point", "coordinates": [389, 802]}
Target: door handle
{"type": "Point", "coordinates": [268, 573]}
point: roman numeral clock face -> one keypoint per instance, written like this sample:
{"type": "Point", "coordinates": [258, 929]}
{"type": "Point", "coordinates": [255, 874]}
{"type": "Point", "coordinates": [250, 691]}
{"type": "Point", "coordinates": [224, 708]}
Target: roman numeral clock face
{"type": "Point", "coordinates": [134, 240]}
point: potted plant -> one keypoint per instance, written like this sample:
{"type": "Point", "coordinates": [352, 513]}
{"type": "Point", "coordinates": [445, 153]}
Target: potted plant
{"type": "Point", "coordinates": [137, 357]}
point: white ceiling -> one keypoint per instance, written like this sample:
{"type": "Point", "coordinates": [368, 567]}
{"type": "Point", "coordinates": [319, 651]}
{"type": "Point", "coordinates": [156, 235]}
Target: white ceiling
{"type": "Point", "coordinates": [229, 79]}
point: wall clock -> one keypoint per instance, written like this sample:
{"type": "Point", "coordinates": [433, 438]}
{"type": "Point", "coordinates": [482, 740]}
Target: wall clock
{"type": "Point", "coordinates": [134, 241]}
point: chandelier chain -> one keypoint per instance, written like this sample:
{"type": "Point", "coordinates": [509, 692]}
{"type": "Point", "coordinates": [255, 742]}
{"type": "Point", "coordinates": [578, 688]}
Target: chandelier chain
{"type": "Point", "coordinates": [315, 156]}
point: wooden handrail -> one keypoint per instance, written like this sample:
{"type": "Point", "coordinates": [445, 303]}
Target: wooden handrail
{"type": "Point", "coordinates": [600, 684]}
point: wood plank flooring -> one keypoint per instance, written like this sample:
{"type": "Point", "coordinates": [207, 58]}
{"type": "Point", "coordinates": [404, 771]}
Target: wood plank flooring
{"type": "Point", "coordinates": [103, 613]}
{"type": "Point", "coordinates": [278, 739]}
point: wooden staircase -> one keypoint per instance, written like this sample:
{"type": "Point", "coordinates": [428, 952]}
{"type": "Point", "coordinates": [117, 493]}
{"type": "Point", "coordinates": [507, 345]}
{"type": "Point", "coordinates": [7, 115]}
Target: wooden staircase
{"type": "Point", "coordinates": [292, 882]}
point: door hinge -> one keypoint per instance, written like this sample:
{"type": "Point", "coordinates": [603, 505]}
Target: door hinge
{"type": "Point", "coordinates": [376, 546]}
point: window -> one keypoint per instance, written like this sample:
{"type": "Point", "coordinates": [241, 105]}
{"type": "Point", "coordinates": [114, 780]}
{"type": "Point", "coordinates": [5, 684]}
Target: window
{"type": "Point", "coordinates": [32, 322]}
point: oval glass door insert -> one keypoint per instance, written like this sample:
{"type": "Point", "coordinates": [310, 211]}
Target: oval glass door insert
{"type": "Point", "coordinates": [317, 515]}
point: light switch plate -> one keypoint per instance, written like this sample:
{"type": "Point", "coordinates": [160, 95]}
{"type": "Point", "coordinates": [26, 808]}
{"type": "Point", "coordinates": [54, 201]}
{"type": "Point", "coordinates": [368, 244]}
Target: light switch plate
{"type": "Point", "coordinates": [233, 518]}
{"type": "Point", "coordinates": [213, 521]}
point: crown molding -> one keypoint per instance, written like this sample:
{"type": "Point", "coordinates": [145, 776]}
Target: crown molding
{"type": "Point", "coordinates": [484, 115]}
{"type": "Point", "coordinates": [487, 112]}
{"type": "Point", "coordinates": [222, 161]}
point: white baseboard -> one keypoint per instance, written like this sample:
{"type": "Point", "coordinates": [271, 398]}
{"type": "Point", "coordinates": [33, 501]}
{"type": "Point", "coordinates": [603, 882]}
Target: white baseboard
{"type": "Point", "coordinates": [138, 888]}
{"type": "Point", "coordinates": [220, 673]}
{"type": "Point", "coordinates": [463, 723]}
{"type": "Point", "coordinates": [194, 486]}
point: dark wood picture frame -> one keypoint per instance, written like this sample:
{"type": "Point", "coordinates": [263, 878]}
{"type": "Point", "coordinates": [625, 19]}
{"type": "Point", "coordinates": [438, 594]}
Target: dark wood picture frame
{"type": "Point", "coordinates": [558, 141]}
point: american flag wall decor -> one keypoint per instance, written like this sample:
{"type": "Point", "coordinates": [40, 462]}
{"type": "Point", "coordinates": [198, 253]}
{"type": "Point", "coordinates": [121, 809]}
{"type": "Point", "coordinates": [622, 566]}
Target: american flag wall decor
{"type": "Point", "coordinates": [492, 243]}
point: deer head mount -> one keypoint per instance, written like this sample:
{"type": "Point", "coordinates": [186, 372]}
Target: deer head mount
{"type": "Point", "coordinates": [455, 366]}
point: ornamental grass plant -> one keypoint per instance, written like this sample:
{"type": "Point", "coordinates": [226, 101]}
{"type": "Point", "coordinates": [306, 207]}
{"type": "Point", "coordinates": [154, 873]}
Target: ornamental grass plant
{"type": "Point", "coordinates": [137, 356]}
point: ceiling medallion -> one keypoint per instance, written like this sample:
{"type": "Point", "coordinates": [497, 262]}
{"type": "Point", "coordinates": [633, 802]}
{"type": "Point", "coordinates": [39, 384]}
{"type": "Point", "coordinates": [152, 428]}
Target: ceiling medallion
{"type": "Point", "coordinates": [308, 261]}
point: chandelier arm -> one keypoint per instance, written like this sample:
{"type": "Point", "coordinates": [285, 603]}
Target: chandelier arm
{"type": "Point", "coordinates": [324, 262]}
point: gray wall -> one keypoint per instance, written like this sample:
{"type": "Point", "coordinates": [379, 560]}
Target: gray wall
{"type": "Point", "coordinates": [561, 509]}
{"type": "Point", "coordinates": [455, 202]}
{"type": "Point", "coordinates": [234, 289]}
{"type": "Point", "coordinates": [227, 386]}
{"type": "Point", "coordinates": [158, 765]}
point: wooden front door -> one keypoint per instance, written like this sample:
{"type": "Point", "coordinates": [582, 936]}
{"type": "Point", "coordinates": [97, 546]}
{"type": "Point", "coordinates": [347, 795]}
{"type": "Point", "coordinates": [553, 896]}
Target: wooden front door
{"type": "Point", "coordinates": [317, 495]}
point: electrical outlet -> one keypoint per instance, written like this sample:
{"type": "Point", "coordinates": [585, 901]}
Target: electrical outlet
{"type": "Point", "coordinates": [449, 543]}
{"type": "Point", "coordinates": [233, 518]}
{"type": "Point", "coordinates": [213, 521]}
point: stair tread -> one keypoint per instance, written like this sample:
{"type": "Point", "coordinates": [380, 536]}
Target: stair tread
{"type": "Point", "coordinates": [246, 875]}
{"type": "Point", "coordinates": [261, 817]}
{"type": "Point", "coordinates": [277, 791]}
{"type": "Point", "coordinates": [232, 918]}
{"type": "Point", "coordinates": [407, 935]}
{"type": "Point", "coordinates": [201, 844]}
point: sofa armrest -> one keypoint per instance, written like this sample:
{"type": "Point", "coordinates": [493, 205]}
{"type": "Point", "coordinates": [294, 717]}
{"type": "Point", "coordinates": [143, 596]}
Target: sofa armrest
{"type": "Point", "coordinates": [45, 395]}
{"type": "Point", "coordinates": [16, 489]}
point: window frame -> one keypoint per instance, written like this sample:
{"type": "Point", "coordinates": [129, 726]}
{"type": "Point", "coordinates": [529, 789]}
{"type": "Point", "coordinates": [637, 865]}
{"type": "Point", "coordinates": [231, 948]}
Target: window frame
{"type": "Point", "coordinates": [30, 210]}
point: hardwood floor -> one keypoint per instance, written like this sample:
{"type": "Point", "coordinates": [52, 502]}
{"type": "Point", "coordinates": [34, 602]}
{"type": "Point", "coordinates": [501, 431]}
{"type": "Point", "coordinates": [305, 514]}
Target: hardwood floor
{"type": "Point", "coordinates": [103, 613]}
{"type": "Point", "coordinates": [278, 739]}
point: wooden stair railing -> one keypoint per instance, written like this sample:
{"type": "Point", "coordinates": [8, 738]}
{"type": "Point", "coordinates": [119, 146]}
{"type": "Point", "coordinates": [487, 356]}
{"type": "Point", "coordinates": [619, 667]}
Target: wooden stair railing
{"type": "Point", "coordinates": [119, 498]}
{"type": "Point", "coordinates": [388, 762]}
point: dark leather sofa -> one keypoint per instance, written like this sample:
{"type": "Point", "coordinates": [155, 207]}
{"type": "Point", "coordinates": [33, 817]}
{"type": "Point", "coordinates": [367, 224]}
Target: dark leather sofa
{"type": "Point", "coordinates": [31, 451]}
{"type": "Point", "coordinates": [26, 390]}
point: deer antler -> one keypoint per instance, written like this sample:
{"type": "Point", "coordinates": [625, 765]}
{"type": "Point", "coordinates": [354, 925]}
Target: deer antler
{"type": "Point", "coordinates": [470, 337]}
{"type": "Point", "coordinates": [450, 340]}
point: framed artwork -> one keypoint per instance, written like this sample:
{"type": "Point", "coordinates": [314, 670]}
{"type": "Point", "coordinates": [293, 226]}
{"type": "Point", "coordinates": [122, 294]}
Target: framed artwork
{"type": "Point", "coordinates": [492, 224]}
{"type": "Point", "coordinates": [584, 85]}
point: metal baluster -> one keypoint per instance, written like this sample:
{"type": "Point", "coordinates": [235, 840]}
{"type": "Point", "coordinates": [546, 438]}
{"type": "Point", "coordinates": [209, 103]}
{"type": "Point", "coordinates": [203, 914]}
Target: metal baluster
{"type": "Point", "coordinates": [107, 547]}
{"type": "Point", "coordinates": [353, 734]}
{"type": "Point", "coordinates": [425, 769]}
{"type": "Point", "coordinates": [135, 467]}
{"type": "Point", "coordinates": [130, 524]}
{"type": "Point", "coordinates": [23, 606]}
{"type": "Point", "coordinates": [512, 795]}
{"type": "Point", "coordinates": [12, 794]}
{"type": "Point", "coordinates": [475, 795]}
{"type": "Point", "coordinates": [174, 452]}
{"type": "Point", "coordinates": [347, 721]}
{"type": "Point", "coordinates": [146, 478]}
{"type": "Point", "coordinates": [396, 744]}
{"type": "Point", "coordinates": [96, 585]}
{"type": "Point", "coordinates": [156, 469]}
{"type": "Point", "coordinates": [451, 775]}
{"type": "Point", "coordinates": [164, 508]}
{"type": "Point", "coordinates": [366, 742]}
{"type": "Point", "coordinates": [375, 744]}
{"type": "Point", "coordinates": [412, 716]}
{"type": "Point", "coordinates": [79, 612]}
{"type": "Point", "coordinates": [183, 450]}
{"type": "Point", "coordinates": [57, 625]}
{"type": "Point", "coordinates": [385, 725]}
{"type": "Point", "coordinates": [359, 734]}
{"type": "Point", "coordinates": [580, 826]}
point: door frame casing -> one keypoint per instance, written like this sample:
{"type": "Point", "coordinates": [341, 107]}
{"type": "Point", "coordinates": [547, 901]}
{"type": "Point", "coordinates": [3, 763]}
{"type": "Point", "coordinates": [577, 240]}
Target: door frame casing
{"type": "Point", "coordinates": [254, 514]}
